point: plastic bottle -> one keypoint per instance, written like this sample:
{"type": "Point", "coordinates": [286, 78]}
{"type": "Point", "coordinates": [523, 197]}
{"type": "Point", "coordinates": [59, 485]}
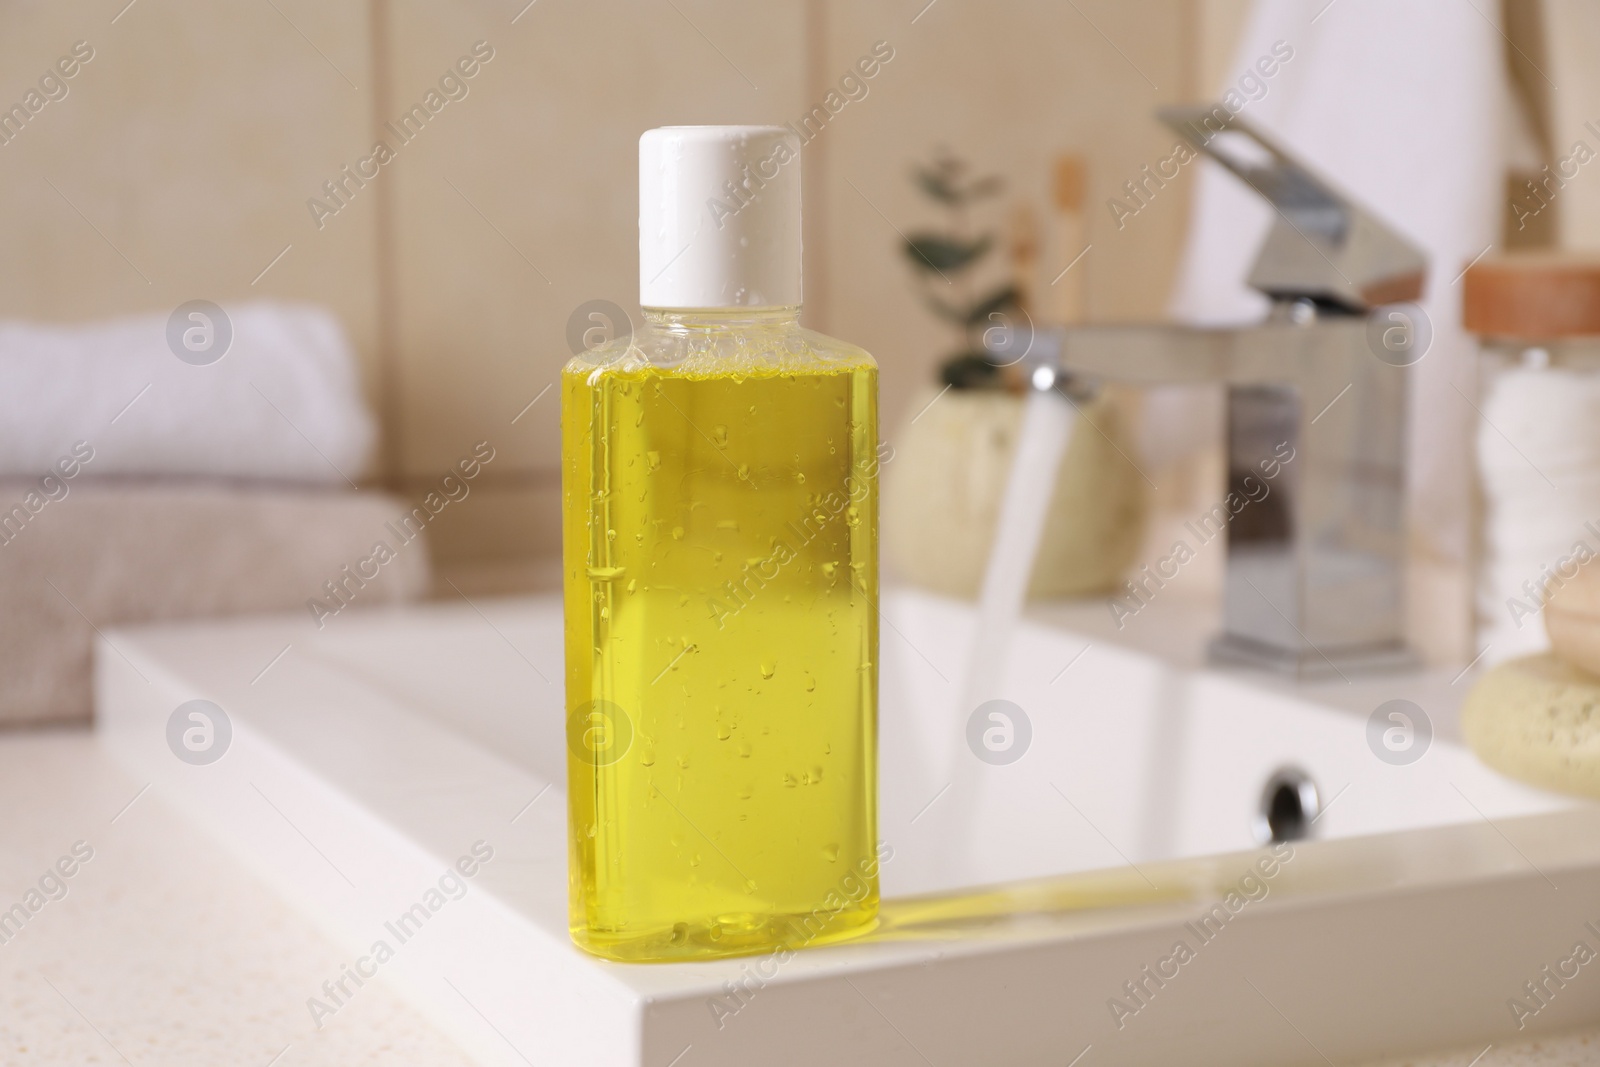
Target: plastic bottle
{"type": "Point", "coordinates": [720, 500]}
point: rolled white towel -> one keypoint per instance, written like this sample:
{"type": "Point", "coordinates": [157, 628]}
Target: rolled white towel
{"type": "Point", "coordinates": [283, 403]}
{"type": "Point", "coordinates": [1538, 458]}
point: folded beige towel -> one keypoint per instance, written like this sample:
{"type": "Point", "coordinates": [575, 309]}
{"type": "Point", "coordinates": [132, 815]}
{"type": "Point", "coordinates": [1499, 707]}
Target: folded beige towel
{"type": "Point", "coordinates": [107, 554]}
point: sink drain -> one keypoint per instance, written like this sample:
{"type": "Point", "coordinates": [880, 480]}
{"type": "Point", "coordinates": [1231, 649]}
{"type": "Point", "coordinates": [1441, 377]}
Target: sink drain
{"type": "Point", "coordinates": [1289, 803]}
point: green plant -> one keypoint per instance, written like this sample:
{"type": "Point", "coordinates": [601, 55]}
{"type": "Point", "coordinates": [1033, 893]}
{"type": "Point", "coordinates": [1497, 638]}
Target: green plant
{"type": "Point", "coordinates": [944, 263]}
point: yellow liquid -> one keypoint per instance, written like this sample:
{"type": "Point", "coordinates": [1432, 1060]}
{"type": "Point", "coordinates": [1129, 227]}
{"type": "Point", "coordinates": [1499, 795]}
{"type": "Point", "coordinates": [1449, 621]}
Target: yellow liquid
{"type": "Point", "coordinates": [720, 556]}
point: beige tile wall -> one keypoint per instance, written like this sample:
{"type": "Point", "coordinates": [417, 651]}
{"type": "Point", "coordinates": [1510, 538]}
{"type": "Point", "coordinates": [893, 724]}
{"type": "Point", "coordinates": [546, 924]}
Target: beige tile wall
{"type": "Point", "coordinates": [178, 164]}
{"type": "Point", "coordinates": [1566, 59]}
{"type": "Point", "coordinates": [194, 138]}
{"type": "Point", "coordinates": [1009, 87]}
{"type": "Point", "coordinates": [522, 204]}
{"type": "Point", "coordinates": [540, 152]}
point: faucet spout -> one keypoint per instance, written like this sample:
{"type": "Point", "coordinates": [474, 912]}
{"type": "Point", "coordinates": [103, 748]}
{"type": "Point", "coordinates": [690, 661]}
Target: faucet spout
{"type": "Point", "coordinates": [1314, 512]}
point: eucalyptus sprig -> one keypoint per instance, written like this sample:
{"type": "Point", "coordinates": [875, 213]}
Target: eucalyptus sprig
{"type": "Point", "coordinates": [944, 263]}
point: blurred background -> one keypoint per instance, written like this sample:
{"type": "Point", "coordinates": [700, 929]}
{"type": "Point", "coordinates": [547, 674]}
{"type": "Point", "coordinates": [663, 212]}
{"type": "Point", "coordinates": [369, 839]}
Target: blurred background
{"type": "Point", "coordinates": [215, 152]}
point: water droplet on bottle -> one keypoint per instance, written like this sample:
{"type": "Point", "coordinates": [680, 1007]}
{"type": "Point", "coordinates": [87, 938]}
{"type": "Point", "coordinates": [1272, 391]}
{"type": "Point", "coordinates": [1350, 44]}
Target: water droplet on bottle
{"type": "Point", "coordinates": [830, 853]}
{"type": "Point", "coordinates": [654, 459]}
{"type": "Point", "coordinates": [719, 436]}
{"type": "Point", "coordinates": [790, 781]}
{"type": "Point", "coordinates": [723, 733]}
{"type": "Point", "coordinates": [677, 533]}
{"type": "Point", "coordinates": [680, 933]}
{"type": "Point", "coordinates": [811, 684]}
{"type": "Point", "coordinates": [768, 669]}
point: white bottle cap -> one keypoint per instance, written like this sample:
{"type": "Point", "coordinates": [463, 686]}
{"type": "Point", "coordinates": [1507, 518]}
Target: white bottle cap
{"type": "Point", "coordinates": [719, 217]}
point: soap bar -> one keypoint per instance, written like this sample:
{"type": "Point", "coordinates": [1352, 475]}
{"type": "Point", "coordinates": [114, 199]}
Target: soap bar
{"type": "Point", "coordinates": [1538, 719]}
{"type": "Point", "coordinates": [1572, 618]}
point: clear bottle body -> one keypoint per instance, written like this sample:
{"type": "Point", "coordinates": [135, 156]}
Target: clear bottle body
{"type": "Point", "coordinates": [720, 563]}
{"type": "Point", "coordinates": [1535, 398]}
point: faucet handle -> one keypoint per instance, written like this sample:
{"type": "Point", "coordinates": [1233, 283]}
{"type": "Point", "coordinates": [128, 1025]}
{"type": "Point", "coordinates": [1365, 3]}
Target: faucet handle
{"type": "Point", "coordinates": [1323, 245]}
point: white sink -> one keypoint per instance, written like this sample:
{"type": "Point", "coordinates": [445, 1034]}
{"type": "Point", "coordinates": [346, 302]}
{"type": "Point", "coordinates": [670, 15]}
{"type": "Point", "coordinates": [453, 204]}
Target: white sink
{"type": "Point", "coordinates": [1162, 757]}
{"type": "Point", "coordinates": [376, 751]}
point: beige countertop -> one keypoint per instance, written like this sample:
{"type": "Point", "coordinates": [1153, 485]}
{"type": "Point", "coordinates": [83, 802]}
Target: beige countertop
{"type": "Point", "coordinates": [1578, 1049]}
{"type": "Point", "coordinates": [167, 950]}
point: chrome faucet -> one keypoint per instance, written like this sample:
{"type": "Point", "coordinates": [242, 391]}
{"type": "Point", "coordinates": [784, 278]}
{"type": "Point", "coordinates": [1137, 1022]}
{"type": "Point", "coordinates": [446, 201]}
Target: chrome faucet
{"type": "Point", "coordinates": [1316, 572]}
